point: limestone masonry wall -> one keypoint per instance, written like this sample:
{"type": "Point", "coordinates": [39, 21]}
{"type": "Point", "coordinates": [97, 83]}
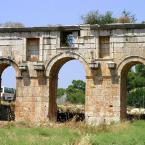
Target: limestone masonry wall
{"type": "Point", "coordinates": [38, 53]}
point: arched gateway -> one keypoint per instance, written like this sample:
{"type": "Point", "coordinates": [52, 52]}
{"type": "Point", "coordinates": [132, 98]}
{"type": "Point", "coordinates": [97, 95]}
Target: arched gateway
{"type": "Point", "coordinates": [37, 54]}
{"type": "Point", "coordinates": [52, 70]}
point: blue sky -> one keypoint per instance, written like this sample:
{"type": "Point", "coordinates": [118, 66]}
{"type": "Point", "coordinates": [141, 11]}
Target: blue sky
{"type": "Point", "coordinates": [65, 12]}
{"type": "Point", "coordinates": [42, 12]}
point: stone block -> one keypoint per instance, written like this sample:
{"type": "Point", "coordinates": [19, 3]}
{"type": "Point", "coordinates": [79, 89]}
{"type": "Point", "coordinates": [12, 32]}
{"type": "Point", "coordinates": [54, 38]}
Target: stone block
{"type": "Point", "coordinates": [125, 46]}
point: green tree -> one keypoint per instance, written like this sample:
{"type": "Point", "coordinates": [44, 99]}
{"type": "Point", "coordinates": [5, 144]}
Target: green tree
{"type": "Point", "coordinates": [136, 86]}
{"type": "Point", "coordinates": [76, 92]}
{"type": "Point", "coordinates": [94, 17]}
{"type": "Point", "coordinates": [108, 18]}
{"type": "Point", "coordinates": [60, 92]}
{"type": "Point", "coordinates": [136, 77]}
{"type": "Point", "coordinates": [130, 80]}
{"type": "Point", "coordinates": [140, 70]}
{"type": "Point", "coordinates": [136, 97]}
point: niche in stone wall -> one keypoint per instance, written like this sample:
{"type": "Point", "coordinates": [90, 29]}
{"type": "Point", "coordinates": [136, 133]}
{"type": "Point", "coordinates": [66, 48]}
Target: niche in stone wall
{"type": "Point", "coordinates": [104, 46]}
{"type": "Point", "coordinates": [67, 38]}
{"type": "Point", "coordinates": [32, 49]}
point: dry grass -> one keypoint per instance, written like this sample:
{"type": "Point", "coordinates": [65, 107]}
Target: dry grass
{"type": "Point", "coordinates": [72, 133]}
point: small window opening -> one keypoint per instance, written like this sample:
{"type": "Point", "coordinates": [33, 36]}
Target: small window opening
{"type": "Point", "coordinates": [32, 49]}
{"type": "Point", "coordinates": [104, 43]}
{"type": "Point", "coordinates": [66, 39]}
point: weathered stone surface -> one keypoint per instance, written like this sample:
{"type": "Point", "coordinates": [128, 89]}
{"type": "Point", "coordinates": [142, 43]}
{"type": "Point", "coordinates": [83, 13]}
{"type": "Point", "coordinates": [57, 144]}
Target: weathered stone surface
{"type": "Point", "coordinates": [107, 52]}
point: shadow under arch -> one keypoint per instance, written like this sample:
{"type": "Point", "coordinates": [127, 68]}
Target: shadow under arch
{"type": "Point", "coordinates": [52, 70]}
{"type": "Point", "coordinates": [123, 69]}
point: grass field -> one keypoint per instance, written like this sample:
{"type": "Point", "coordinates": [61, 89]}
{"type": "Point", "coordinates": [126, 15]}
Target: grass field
{"type": "Point", "coordinates": [73, 134]}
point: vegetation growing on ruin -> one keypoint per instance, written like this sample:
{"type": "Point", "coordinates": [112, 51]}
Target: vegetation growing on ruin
{"type": "Point", "coordinates": [95, 17]}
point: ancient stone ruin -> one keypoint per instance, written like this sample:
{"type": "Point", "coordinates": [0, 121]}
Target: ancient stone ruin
{"type": "Point", "coordinates": [37, 54]}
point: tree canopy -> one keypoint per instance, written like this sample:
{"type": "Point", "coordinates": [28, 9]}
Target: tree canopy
{"type": "Point", "coordinates": [75, 92]}
{"type": "Point", "coordinates": [94, 17]}
{"type": "Point", "coordinates": [60, 92]}
{"type": "Point", "coordinates": [136, 86]}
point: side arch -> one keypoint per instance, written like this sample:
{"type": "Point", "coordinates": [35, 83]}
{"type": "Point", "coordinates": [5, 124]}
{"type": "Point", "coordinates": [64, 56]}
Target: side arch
{"type": "Point", "coordinates": [128, 62]}
{"type": "Point", "coordinates": [6, 62]}
{"type": "Point", "coordinates": [123, 69]}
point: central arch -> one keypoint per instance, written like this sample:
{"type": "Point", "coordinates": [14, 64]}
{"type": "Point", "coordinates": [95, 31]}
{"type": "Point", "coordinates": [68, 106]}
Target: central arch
{"type": "Point", "coordinates": [52, 71]}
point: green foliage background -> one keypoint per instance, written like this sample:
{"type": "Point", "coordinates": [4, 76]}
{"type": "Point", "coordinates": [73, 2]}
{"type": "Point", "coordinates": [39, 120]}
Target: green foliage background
{"type": "Point", "coordinates": [136, 86]}
{"type": "Point", "coordinates": [75, 92]}
{"type": "Point", "coordinates": [135, 89]}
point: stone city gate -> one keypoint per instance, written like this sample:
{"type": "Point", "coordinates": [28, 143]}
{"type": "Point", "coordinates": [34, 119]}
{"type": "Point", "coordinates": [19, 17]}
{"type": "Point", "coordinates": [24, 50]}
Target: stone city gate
{"type": "Point", "coordinates": [37, 54]}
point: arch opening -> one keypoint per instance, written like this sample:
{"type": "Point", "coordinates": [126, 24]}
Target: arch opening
{"type": "Point", "coordinates": [8, 75]}
{"type": "Point", "coordinates": [131, 89]}
{"type": "Point", "coordinates": [53, 84]}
